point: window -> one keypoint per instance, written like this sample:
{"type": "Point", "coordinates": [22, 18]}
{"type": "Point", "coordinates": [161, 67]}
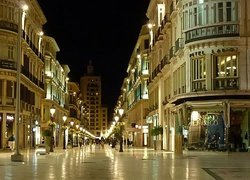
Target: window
{"type": "Point", "coordinates": [199, 68]}
{"type": "Point", "coordinates": [199, 73]}
{"type": "Point", "coordinates": [146, 44]}
{"type": "Point", "coordinates": [220, 12]}
{"type": "Point", "coordinates": [229, 11]}
{"type": "Point", "coordinates": [10, 89]}
{"type": "Point", "coordinates": [200, 14]}
{"type": "Point", "coordinates": [214, 13]}
{"type": "Point", "coordinates": [10, 52]}
{"type": "Point", "coordinates": [10, 13]}
{"type": "Point", "coordinates": [226, 72]}
{"type": "Point", "coordinates": [226, 66]}
{"type": "Point", "coordinates": [195, 16]}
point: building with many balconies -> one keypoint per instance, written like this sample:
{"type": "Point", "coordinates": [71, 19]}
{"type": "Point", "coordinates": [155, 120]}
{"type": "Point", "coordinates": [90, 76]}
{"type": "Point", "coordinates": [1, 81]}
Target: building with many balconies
{"type": "Point", "coordinates": [56, 90]}
{"type": "Point", "coordinates": [31, 76]}
{"type": "Point", "coordinates": [199, 80]}
{"type": "Point", "coordinates": [134, 92]}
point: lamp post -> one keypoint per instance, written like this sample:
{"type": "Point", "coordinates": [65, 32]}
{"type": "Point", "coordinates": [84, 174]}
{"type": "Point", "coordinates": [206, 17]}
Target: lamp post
{"type": "Point", "coordinates": [64, 131]}
{"type": "Point", "coordinates": [121, 111]}
{"type": "Point", "coordinates": [120, 129]}
{"type": "Point", "coordinates": [17, 156]}
{"type": "Point", "coordinates": [83, 132]}
{"type": "Point", "coordinates": [81, 136]}
{"type": "Point", "coordinates": [72, 139]}
{"type": "Point", "coordinates": [52, 112]}
{"type": "Point", "coordinates": [77, 140]}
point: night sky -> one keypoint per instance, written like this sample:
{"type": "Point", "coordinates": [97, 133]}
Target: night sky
{"type": "Point", "coordinates": [102, 31]}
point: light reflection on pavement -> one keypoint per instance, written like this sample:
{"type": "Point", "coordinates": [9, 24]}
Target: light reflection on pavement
{"type": "Point", "coordinates": [95, 163]}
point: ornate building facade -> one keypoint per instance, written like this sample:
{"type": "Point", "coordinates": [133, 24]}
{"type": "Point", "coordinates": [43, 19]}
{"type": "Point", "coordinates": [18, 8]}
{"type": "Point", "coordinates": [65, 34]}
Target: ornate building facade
{"type": "Point", "coordinates": [199, 80]}
{"type": "Point", "coordinates": [134, 92]}
{"type": "Point", "coordinates": [43, 81]}
{"type": "Point", "coordinates": [31, 73]}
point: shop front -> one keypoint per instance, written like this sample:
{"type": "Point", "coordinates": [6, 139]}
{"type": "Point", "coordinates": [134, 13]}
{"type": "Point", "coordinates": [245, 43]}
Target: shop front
{"type": "Point", "coordinates": [220, 126]}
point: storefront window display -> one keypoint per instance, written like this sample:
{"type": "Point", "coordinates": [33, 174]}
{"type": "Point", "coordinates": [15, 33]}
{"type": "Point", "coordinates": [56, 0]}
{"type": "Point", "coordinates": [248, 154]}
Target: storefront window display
{"type": "Point", "coordinates": [206, 131]}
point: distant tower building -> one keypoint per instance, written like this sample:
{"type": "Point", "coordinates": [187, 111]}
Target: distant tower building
{"type": "Point", "coordinates": [90, 87]}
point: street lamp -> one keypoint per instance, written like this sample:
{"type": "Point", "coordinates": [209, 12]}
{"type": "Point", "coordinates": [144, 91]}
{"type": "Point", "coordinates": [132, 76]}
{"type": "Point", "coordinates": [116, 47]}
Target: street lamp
{"type": "Point", "coordinates": [17, 156]}
{"type": "Point", "coordinates": [52, 124]}
{"type": "Point", "coordinates": [72, 139]}
{"type": "Point", "coordinates": [121, 124]}
{"type": "Point", "coordinates": [120, 111]}
{"type": "Point", "coordinates": [120, 127]}
{"type": "Point", "coordinates": [116, 118]}
{"type": "Point", "coordinates": [64, 130]}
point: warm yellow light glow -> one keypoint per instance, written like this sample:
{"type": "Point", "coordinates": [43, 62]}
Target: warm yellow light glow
{"type": "Point", "coordinates": [64, 117]}
{"type": "Point", "coordinates": [116, 118]}
{"type": "Point", "coordinates": [195, 116]}
{"type": "Point", "coordinates": [52, 110]}
{"type": "Point", "coordinates": [150, 25]}
{"type": "Point", "coordinates": [121, 111]}
{"type": "Point", "coordinates": [49, 73]}
{"type": "Point", "coordinates": [40, 33]}
{"type": "Point", "coordinates": [145, 72]}
{"type": "Point", "coordinates": [25, 7]}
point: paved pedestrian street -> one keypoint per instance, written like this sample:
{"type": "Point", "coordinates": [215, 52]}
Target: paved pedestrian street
{"type": "Point", "coordinates": [95, 163]}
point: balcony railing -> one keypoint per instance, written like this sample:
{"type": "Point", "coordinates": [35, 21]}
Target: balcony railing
{"type": "Point", "coordinates": [171, 52]}
{"type": "Point", "coordinates": [8, 26]}
{"type": "Point", "coordinates": [7, 64]}
{"type": "Point", "coordinates": [199, 85]}
{"type": "Point", "coordinates": [226, 30]}
{"type": "Point", "coordinates": [179, 44]}
{"type": "Point", "coordinates": [226, 83]}
{"type": "Point", "coordinates": [165, 20]}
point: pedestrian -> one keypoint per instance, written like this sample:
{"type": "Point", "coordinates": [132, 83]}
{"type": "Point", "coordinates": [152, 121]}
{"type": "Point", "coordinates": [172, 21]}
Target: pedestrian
{"type": "Point", "coordinates": [128, 143]}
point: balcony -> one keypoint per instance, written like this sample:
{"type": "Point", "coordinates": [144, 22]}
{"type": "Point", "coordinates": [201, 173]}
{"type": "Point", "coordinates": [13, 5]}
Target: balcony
{"type": "Point", "coordinates": [7, 64]}
{"type": "Point", "coordinates": [199, 85]}
{"type": "Point", "coordinates": [171, 52]}
{"type": "Point", "coordinates": [8, 26]}
{"type": "Point", "coordinates": [179, 44]}
{"type": "Point", "coordinates": [166, 21]}
{"type": "Point", "coordinates": [209, 32]}
{"type": "Point", "coordinates": [226, 83]}
{"type": "Point", "coordinates": [165, 61]}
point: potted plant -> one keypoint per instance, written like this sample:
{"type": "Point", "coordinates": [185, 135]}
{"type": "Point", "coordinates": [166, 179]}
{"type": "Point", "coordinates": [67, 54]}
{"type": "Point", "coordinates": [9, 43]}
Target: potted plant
{"type": "Point", "coordinates": [47, 134]}
{"type": "Point", "coordinates": [11, 142]}
{"type": "Point", "coordinates": [157, 131]}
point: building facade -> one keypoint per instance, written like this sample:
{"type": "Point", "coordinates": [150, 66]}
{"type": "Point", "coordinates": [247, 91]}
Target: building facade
{"type": "Point", "coordinates": [199, 80]}
{"type": "Point", "coordinates": [56, 91]}
{"type": "Point", "coordinates": [32, 71]}
{"type": "Point", "coordinates": [91, 92]}
{"type": "Point", "coordinates": [134, 92]}
{"type": "Point", "coordinates": [42, 78]}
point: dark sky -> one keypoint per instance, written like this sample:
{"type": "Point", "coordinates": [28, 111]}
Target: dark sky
{"type": "Point", "coordinates": [102, 31]}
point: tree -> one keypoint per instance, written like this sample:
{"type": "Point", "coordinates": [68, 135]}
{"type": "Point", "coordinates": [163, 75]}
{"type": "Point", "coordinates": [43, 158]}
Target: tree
{"type": "Point", "coordinates": [157, 131]}
{"type": "Point", "coordinates": [118, 131]}
{"type": "Point", "coordinates": [47, 134]}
